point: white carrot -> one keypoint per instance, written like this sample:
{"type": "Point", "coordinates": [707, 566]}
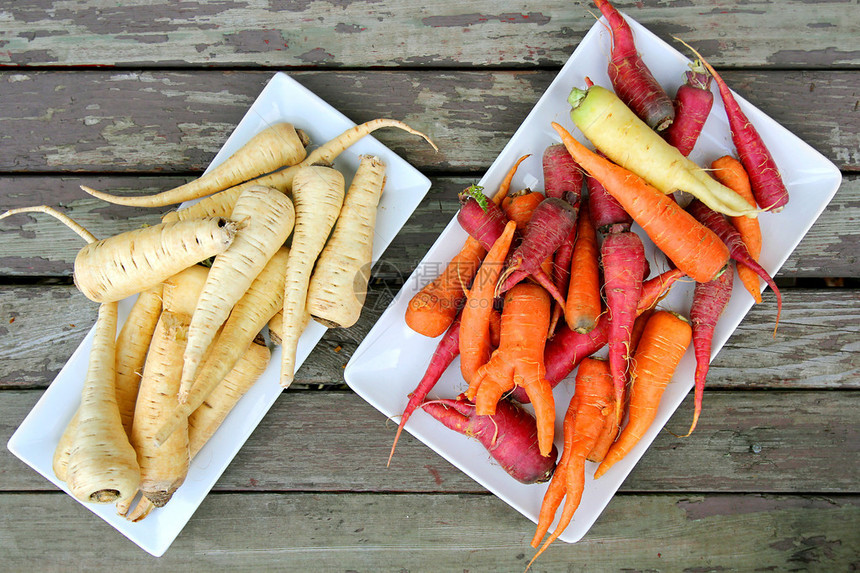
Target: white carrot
{"type": "Point", "coordinates": [276, 146]}
{"type": "Point", "coordinates": [267, 218]}
{"type": "Point", "coordinates": [128, 263]}
{"type": "Point", "coordinates": [318, 196]}
{"type": "Point", "coordinates": [261, 301]}
{"type": "Point", "coordinates": [163, 468]}
{"type": "Point", "coordinates": [221, 204]}
{"type": "Point", "coordinates": [338, 287]}
{"type": "Point", "coordinates": [102, 464]}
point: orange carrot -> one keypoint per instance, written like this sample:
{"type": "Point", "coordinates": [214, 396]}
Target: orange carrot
{"type": "Point", "coordinates": [730, 172]}
{"type": "Point", "coordinates": [432, 310]}
{"type": "Point", "coordinates": [591, 403]}
{"type": "Point", "coordinates": [519, 360]}
{"type": "Point", "coordinates": [475, 346]}
{"type": "Point", "coordinates": [502, 191]}
{"type": "Point", "coordinates": [582, 305]}
{"type": "Point", "coordinates": [520, 205]}
{"type": "Point", "coordinates": [664, 341]}
{"type": "Point", "coordinates": [694, 249]}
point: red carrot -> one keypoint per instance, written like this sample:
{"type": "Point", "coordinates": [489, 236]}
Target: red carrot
{"type": "Point", "coordinates": [709, 301]}
{"type": "Point", "coordinates": [623, 256]}
{"type": "Point", "coordinates": [693, 103]}
{"type": "Point", "coordinates": [509, 435]}
{"type": "Point", "coordinates": [562, 176]}
{"type": "Point", "coordinates": [767, 185]}
{"type": "Point", "coordinates": [717, 223]}
{"type": "Point", "coordinates": [446, 351]}
{"type": "Point", "coordinates": [605, 209]}
{"type": "Point", "coordinates": [632, 80]}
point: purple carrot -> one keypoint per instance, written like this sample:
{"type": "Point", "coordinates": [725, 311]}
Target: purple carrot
{"type": "Point", "coordinates": [767, 185]}
{"type": "Point", "coordinates": [550, 225]}
{"type": "Point", "coordinates": [509, 435]}
{"type": "Point", "coordinates": [632, 80]}
{"type": "Point", "coordinates": [623, 258]}
{"type": "Point", "coordinates": [446, 351]}
{"type": "Point", "coordinates": [709, 301]}
{"type": "Point", "coordinates": [693, 103]}
{"type": "Point", "coordinates": [562, 176]}
{"type": "Point", "coordinates": [718, 223]}
{"type": "Point", "coordinates": [604, 209]}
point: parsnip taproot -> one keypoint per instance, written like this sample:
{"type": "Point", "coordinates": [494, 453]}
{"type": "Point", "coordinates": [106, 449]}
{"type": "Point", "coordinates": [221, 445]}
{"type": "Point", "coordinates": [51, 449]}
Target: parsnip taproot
{"type": "Point", "coordinates": [338, 286]}
{"type": "Point", "coordinates": [263, 299]}
{"type": "Point", "coordinates": [162, 468]}
{"type": "Point", "coordinates": [181, 291]}
{"type": "Point", "coordinates": [102, 464]}
{"type": "Point", "coordinates": [266, 217]}
{"type": "Point", "coordinates": [318, 196]}
{"type": "Point", "coordinates": [221, 204]}
{"type": "Point", "coordinates": [278, 145]}
{"type": "Point", "coordinates": [112, 269]}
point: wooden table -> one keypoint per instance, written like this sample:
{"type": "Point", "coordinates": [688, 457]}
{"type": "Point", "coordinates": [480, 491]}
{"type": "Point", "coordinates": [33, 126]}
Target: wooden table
{"type": "Point", "coordinates": [138, 98]}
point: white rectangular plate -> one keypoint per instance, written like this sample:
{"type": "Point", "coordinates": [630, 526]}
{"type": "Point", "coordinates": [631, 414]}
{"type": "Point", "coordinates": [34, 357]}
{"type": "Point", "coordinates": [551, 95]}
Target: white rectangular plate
{"type": "Point", "coordinates": [391, 360]}
{"type": "Point", "coordinates": [283, 99]}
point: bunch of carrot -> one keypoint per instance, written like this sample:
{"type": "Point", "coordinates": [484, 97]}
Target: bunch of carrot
{"type": "Point", "coordinates": [193, 343]}
{"type": "Point", "coordinates": [567, 274]}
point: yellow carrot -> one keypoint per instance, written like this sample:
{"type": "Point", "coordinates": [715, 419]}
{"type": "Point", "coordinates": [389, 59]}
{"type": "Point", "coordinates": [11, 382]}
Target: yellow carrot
{"type": "Point", "coordinates": [278, 145]}
{"type": "Point", "coordinates": [338, 286]}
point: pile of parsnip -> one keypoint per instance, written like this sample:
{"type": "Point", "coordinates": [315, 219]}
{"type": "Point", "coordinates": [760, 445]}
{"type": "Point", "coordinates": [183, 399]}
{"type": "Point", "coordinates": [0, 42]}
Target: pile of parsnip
{"type": "Point", "coordinates": [276, 240]}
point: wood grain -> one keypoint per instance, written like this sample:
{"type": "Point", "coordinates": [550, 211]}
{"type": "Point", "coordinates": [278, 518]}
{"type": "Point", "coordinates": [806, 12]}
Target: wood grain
{"type": "Point", "coordinates": [405, 33]}
{"type": "Point", "coordinates": [356, 532]}
{"type": "Point", "coordinates": [175, 121]}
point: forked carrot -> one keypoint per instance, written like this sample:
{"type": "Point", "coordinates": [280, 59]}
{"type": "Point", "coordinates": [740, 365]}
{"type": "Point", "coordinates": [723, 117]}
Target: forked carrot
{"type": "Point", "coordinates": [475, 346]}
{"type": "Point", "coordinates": [664, 341]}
{"type": "Point", "coordinates": [696, 251]}
{"type": "Point", "coordinates": [519, 360]}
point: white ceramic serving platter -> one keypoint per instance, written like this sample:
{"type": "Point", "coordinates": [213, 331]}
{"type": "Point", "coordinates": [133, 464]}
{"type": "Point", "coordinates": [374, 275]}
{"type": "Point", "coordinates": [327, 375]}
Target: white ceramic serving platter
{"type": "Point", "coordinates": [389, 363]}
{"type": "Point", "coordinates": [283, 99]}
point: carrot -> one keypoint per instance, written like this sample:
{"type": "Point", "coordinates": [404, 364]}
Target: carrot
{"type": "Point", "coordinates": [274, 147]}
{"type": "Point", "coordinates": [626, 140]}
{"type": "Point", "coordinates": [508, 435]}
{"type": "Point", "coordinates": [695, 250]}
{"type": "Point", "coordinates": [475, 347]}
{"type": "Point", "coordinates": [318, 194]}
{"type": "Point", "coordinates": [221, 204]}
{"type": "Point", "coordinates": [586, 415]}
{"type": "Point", "coordinates": [131, 262]}
{"type": "Point", "coordinates": [623, 257]}
{"type": "Point", "coordinates": [520, 205]}
{"type": "Point", "coordinates": [664, 341]}
{"type": "Point", "coordinates": [446, 351]}
{"type": "Point", "coordinates": [263, 299]}
{"type": "Point", "coordinates": [548, 227]}
{"type": "Point", "coordinates": [562, 177]}
{"type": "Point", "coordinates": [338, 286]}
{"type": "Point", "coordinates": [605, 210]}
{"type": "Point", "coordinates": [519, 360]}
{"type": "Point", "coordinates": [583, 304]}
{"type": "Point", "coordinates": [738, 250]}
{"type": "Point", "coordinates": [767, 185]}
{"type": "Point", "coordinates": [567, 348]}
{"type": "Point", "coordinates": [729, 171]}
{"type": "Point", "coordinates": [693, 103]}
{"type": "Point", "coordinates": [505, 185]}
{"type": "Point", "coordinates": [102, 465]}
{"type": "Point", "coordinates": [632, 80]}
{"type": "Point", "coordinates": [709, 301]}
{"type": "Point", "coordinates": [181, 291]}
{"type": "Point", "coordinates": [267, 218]}
{"type": "Point", "coordinates": [162, 468]}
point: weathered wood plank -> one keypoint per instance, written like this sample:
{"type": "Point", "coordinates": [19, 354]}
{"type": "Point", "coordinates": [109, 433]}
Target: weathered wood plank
{"type": "Point", "coordinates": [37, 245]}
{"type": "Point", "coordinates": [746, 441]}
{"type": "Point", "coordinates": [406, 33]}
{"type": "Point", "coordinates": [354, 532]}
{"type": "Point", "coordinates": [169, 121]}
{"type": "Point", "coordinates": [816, 345]}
